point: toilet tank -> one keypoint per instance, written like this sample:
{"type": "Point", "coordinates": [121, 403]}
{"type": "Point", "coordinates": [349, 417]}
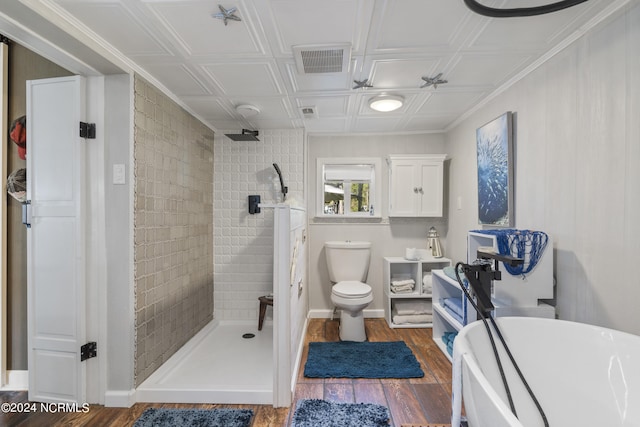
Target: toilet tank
{"type": "Point", "coordinates": [347, 260]}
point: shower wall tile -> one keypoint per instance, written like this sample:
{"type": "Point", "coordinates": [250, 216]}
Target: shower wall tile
{"type": "Point", "coordinates": [173, 227]}
{"type": "Point", "coordinates": [243, 259]}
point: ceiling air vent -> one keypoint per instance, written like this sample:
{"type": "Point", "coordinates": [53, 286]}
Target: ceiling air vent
{"type": "Point", "coordinates": [309, 112]}
{"type": "Point", "coordinates": [318, 59]}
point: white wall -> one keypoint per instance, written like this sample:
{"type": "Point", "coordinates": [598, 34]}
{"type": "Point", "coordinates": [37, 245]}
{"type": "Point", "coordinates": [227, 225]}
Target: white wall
{"type": "Point", "coordinates": [388, 237]}
{"type": "Point", "coordinates": [577, 175]}
{"type": "Point", "coordinates": [243, 243]}
{"type": "Point", "coordinates": [119, 225]}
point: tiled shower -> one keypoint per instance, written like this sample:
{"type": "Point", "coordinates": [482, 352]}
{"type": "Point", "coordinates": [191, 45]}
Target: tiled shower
{"type": "Point", "coordinates": [243, 261]}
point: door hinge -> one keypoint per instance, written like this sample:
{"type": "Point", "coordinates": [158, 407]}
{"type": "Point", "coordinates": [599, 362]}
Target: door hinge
{"type": "Point", "coordinates": [88, 351]}
{"type": "Point", "coordinates": [87, 130]}
{"type": "Point", "coordinates": [26, 213]}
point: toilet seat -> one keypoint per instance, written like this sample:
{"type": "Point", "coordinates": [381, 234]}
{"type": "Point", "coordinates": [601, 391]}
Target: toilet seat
{"type": "Point", "coordinates": [351, 289]}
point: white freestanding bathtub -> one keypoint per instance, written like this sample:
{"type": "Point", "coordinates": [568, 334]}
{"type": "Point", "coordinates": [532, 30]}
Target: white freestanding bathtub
{"type": "Point", "coordinates": [582, 375]}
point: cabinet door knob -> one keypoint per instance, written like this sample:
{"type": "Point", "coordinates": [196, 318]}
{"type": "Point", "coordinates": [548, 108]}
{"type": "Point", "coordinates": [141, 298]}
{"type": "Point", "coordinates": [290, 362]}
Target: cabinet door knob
{"type": "Point", "coordinates": [415, 189]}
{"type": "Point", "coordinates": [420, 190]}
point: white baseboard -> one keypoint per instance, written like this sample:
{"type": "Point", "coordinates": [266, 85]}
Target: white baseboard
{"type": "Point", "coordinates": [377, 313]}
{"type": "Point", "coordinates": [120, 398]}
{"type": "Point", "coordinates": [327, 313]}
{"type": "Point", "coordinates": [16, 380]}
{"type": "Point", "coordinates": [298, 361]}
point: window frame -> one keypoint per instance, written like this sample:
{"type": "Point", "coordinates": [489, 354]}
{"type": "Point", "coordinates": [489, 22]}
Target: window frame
{"type": "Point", "coordinates": [375, 184]}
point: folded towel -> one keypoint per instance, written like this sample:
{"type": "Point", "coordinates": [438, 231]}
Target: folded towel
{"type": "Point", "coordinates": [427, 279]}
{"type": "Point", "coordinates": [427, 287]}
{"type": "Point", "coordinates": [402, 290]}
{"type": "Point", "coordinates": [411, 319]}
{"type": "Point", "coordinates": [403, 286]}
{"type": "Point", "coordinates": [454, 304]}
{"type": "Point", "coordinates": [447, 339]}
{"type": "Point", "coordinates": [449, 336]}
{"type": "Point", "coordinates": [460, 319]}
{"type": "Point", "coordinates": [411, 307]}
{"type": "Point", "coordinates": [403, 282]}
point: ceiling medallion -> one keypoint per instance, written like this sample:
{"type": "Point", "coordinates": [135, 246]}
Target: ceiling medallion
{"type": "Point", "coordinates": [226, 14]}
{"type": "Point", "coordinates": [433, 81]}
{"type": "Point", "coordinates": [386, 103]}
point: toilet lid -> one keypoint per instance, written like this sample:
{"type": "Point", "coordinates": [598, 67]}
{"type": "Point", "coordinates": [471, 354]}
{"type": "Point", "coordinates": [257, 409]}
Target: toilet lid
{"type": "Point", "coordinates": [351, 289]}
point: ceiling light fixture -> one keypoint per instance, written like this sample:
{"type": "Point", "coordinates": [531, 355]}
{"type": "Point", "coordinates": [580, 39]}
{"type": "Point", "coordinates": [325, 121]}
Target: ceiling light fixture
{"type": "Point", "coordinates": [386, 103]}
{"type": "Point", "coordinates": [247, 110]}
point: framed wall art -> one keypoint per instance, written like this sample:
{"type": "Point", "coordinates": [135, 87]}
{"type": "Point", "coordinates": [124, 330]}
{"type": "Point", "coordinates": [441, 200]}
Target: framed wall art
{"type": "Point", "coordinates": [494, 143]}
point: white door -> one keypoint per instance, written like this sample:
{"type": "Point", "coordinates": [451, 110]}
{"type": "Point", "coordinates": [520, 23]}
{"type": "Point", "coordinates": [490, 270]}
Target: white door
{"type": "Point", "coordinates": [403, 189]}
{"type": "Point", "coordinates": [55, 239]}
{"type": "Point", "coordinates": [430, 189]}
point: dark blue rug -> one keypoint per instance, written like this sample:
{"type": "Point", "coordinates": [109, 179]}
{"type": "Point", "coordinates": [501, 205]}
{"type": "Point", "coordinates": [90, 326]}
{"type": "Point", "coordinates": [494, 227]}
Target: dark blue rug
{"type": "Point", "coordinates": [347, 359]}
{"type": "Point", "coordinates": [320, 413]}
{"type": "Point", "coordinates": [165, 417]}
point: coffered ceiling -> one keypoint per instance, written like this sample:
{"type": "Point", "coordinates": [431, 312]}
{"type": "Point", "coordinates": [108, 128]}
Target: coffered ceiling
{"type": "Point", "coordinates": [212, 67]}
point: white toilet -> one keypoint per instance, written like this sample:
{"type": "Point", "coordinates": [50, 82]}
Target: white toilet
{"type": "Point", "coordinates": [348, 264]}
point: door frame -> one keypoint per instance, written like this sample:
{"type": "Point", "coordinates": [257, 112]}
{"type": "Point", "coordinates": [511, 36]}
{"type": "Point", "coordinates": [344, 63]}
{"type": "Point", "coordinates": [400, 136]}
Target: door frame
{"type": "Point", "coordinates": [4, 117]}
{"type": "Point", "coordinates": [96, 272]}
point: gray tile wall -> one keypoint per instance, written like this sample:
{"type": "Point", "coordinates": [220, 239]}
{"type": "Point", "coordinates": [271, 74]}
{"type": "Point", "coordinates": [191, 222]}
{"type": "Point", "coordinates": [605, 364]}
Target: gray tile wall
{"type": "Point", "coordinates": [173, 227]}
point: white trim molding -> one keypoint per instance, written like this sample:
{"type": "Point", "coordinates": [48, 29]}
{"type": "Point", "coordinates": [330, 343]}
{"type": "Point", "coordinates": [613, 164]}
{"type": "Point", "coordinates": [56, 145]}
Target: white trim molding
{"type": "Point", "coordinates": [119, 398]}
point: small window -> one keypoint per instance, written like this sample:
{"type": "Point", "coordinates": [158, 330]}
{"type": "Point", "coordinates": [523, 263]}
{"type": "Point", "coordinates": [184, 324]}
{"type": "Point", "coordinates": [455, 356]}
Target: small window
{"type": "Point", "coordinates": [347, 187]}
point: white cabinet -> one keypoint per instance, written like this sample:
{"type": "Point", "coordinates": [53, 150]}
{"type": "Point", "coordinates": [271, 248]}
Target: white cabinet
{"type": "Point", "coordinates": [397, 271]}
{"type": "Point", "coordinates": [416, 185]}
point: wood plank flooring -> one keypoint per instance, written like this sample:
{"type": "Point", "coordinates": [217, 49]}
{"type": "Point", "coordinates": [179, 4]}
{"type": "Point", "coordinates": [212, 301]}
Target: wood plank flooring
{"type": "Point", "coordinates": [416, 401]}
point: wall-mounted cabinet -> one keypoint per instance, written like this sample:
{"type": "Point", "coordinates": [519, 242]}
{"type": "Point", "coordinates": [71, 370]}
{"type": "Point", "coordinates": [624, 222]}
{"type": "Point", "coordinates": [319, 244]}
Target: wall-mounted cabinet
{"type": "Point", "coordinates": [416, 185]}
{"type": "Point", "coordinates": [408, 291]}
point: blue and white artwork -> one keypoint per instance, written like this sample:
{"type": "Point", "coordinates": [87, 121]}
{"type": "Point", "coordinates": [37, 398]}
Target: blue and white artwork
{"type": "Point", "coordinates": [495, 171]}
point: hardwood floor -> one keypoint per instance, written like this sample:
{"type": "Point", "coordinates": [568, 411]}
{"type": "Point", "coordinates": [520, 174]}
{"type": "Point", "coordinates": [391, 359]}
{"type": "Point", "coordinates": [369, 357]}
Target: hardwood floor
{"type": "Point", "coordinates": [416, 401]}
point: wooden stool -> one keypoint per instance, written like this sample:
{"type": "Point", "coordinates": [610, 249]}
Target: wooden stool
{"type": "Point", "coordinates": [264, 302]}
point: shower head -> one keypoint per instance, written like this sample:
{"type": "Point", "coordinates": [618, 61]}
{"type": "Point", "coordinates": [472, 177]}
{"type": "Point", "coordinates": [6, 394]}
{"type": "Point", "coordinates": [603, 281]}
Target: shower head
{"type": "Point", "coordinates": [246, 135]}
{"type": "Point", "coordinates": [282, 186]}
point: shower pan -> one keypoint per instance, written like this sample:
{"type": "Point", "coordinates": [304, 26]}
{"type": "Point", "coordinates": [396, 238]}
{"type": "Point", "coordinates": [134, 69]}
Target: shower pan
{"type": "Point", "coordinates": [242, 371]}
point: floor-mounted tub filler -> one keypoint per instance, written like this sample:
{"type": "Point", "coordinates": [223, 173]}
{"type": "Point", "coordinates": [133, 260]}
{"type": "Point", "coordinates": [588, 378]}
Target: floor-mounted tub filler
{"type": "Point", "coordinates": [581, 375]}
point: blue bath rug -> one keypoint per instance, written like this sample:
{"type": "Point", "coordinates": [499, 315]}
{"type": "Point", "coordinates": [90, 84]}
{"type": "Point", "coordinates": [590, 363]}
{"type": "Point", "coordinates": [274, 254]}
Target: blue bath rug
{"type": "Point", "coordinates": [347, 359]}
{"type": "Point", "coordinates": [321, 413]}
{"type": "Point", "coordinates": [164, 417]}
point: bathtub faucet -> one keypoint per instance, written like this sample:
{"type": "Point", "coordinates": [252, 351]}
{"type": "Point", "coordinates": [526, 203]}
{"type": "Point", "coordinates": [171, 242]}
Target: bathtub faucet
{"type": "Point", "coordinates": [482, 273]}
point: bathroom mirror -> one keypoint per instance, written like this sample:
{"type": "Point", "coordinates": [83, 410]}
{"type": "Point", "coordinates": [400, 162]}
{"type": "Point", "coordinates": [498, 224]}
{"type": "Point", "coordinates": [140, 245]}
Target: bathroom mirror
{"type": "Point", "coordinates": [348, 187]}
